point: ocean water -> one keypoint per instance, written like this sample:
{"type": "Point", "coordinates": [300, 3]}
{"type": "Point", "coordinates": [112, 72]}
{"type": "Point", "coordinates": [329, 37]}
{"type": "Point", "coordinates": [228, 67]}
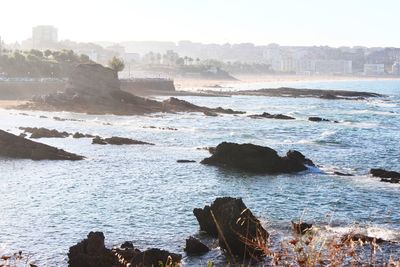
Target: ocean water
{"type": "Point", "coordinates": [139, 193]}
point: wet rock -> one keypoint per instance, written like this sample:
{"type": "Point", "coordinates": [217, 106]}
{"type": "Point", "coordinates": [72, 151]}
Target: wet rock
{"type": "Point", "coordinates": [117, 141]}
{"type": "Point", "coordinates": [127, 244]}
{"type": "Point", "coordinates": [81, 135]}
{"type": "Point", "coordinates": [301, 227]}
{"type": "Point", "coordinates": [177, 105]}
{"type": "Point", "coordinates": [99, 141]}
{"type": "Point", "coordinates": [44, 133]}
{"type": "Point", "coordinates": [195, 247]}
{"type": "Point", "coordinates": [91, 252]}
{"type": "Point", "coordinates": [210, 113]}
{"type": "Point", "coordinates": [271, 116]}
{"type": "Point", "coordinates": [256, 159]}
{"type": "Point", "coordinates": [317, 119]}
{"type": "Point", "coordinates": [185, 161]}
{"type": "Point", "coordinates": [235, 226]}
{"type": "Point", "coordinates": [387, 176]}
{"type": "Point", "coordinates": [18, 147]}
{"type": "Point", "coordinates": [155, 257]}
{"type": "Point", "coordinates": [342, 174]}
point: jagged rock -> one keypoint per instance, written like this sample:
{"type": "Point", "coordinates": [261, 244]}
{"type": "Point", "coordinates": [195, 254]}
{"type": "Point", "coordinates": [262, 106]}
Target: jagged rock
{"type": "Point", "coordinates": [91, 252]}
{"type": "Point", "coordinates": [195, 247]}
{"type": "Point", "coordinates": [235, 226]}
{"type": "Point", "coordinates": [387, 176]}
{"type": "Point", "coordinates": [185, 161]}
{"type": "Point", "coordinates": [271, 116]}
{"type": "Point", "coordinates": [359, 237]}
{"type": "Point", "coordinates": [118, 141]}
{"type": "Point", "coordinates": [44, 133]}
{"type": "Point", "coordinates": [257, 159]}
{"type": "Point", "coordinates": [18, 147]}
{"type": "Point", "coordinates": [155, 257]}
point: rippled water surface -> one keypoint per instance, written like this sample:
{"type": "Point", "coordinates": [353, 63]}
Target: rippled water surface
{"type": "Point", "coordinates": [140, 193]}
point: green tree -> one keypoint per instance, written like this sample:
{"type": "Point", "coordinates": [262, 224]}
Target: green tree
{"type": "Point", "coordinates": [116, 64]}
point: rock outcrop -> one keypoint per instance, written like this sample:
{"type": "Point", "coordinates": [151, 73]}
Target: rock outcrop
{"type": "Point", "coordinates": [238, 231]}
{"type": "Point", "coordinates": [318, 119]}
{"type": "Point", "coordinates": [94, 89]}
{"type": "Point", "coordinates": [195, 247]}
{"type": "Point", "coordinates": [297, 92]}
{"type": "Point", "coordinates": [91, 252]}
{"type": "Point", "coordinates": [117, 141]}
{"type": "Point", "coordinates": [387, 176]}
{"type": "Point", "coordinates": [266, 115]}
{"type": "Point", "coordinates": [257, 159]}
{"type": "Point", "coordinates": [44, 133]}
{"type": "Point", "coordinates": [18, 147]}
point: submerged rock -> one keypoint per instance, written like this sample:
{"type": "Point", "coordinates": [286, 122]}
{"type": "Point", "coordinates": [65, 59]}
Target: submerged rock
{"type": "Point", "coordinates": [318, 119]}
{"type": "Point", "coordinates": [301, 227]}
{"type": "Point", "coordinates": [155, 256]}
{"type": "Point", "coordinates": [44, 133]}
{"type": "Point", "coordinates": [18, 147]}
{"type": "Point", "coordinates": [238, 231]}
{"type": "Point", "coordinates": [195, 247]}
{"type": "Point", "coordinates": [257, 159]}
{"type": "Point", "coordinates": [271, 116]}
{"type": "Point", "coordinates": [387, 176]}
{"type": "Point", "coordinates": [81, 135]}
{"type": "Point", "coordinates": [117, 141]}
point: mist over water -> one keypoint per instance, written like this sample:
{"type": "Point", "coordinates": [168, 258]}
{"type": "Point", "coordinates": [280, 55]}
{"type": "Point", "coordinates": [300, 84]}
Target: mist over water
{"type": "Point", "coordinates": [140, 193]}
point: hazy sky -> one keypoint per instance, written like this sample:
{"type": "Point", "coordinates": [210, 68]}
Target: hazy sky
{"type": "Point", "coordinates": [287, 22]}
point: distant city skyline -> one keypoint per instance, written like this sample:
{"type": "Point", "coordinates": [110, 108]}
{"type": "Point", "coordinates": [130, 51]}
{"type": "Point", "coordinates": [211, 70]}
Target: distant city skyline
{"type": "Point", "coordinates": [286, 22]}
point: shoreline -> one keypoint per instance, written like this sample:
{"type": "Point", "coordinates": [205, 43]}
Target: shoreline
{"type": "Point", "coordinates": [195, 84]}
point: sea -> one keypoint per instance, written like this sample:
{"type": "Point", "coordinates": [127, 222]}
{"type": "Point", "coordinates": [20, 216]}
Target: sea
{"type": "Point", "coordinates": [140, 193]}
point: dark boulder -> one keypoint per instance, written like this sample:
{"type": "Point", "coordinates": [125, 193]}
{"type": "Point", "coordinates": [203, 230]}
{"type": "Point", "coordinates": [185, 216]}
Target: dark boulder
{"type": "Point", "coordinates": [359, 237]}
{"type": "Point", "coordinates": [91, 252]}
{"type": "Point", "coordinates": [99, 141]}
{"type": "Point", "coordinates": [271, 116]}
{"type": "Point", "coordinates": [210, 113]}
{"type": "Point", "coordinates": [239, 232]}
{"type": "Point", "coordinates": [387, 176]}
{"type": "Point", "coordinates": [18, 147]}
{"type": "Point", "coordinates": [195, 247]}
{"type": "Point", "coordinates": [127, 244]}
{"type": "Point", "coordinates": [185, 161]}
{"type": "Point", "coordinates": [44, 133]}
{"type": "Point", "coordinates": [256, 159]}
{"type": "Point", "coordinates": [155, 257]}
{"type": "Point", "coordinates": [342, 173]}
{"type": "Point", "coordinates": [317, 119]}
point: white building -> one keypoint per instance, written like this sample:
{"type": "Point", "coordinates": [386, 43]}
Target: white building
{"type": "Point", "coordinates": [396, 69]}
{"type": "Point", "coordinates": [332, 66]}
{"type": "Point", "coordinates": [44, 36]}
{"type": "Point", "coordinates": [374, 69]}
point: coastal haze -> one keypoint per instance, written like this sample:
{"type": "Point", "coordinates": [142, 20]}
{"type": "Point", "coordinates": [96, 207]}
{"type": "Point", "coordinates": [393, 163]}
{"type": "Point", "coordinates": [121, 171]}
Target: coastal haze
{"type": "Point", "coordinates": [121, 121]}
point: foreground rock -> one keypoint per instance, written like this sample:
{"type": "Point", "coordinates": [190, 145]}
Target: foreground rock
{"type": "Point", "coordinates": [195, 247]}
{"type": "Point", "coordinates": [117, 141]}
{"type": "Point", "coordinates": [18, 147]}
{"type": "Point", "coordinates": [91, 252]}
{"type": "Point", "coordinates": [236, 228]}
{"type": "Point", "coordinates": [387, 176]}
{"type": "Point", "coordinates": [315, 93]}
{"type": "Point", "coordinates": [94, 89]}
{"type": "Point", "coordinates": [257, 159]}
{"type": "Point", "coordinates": [266, 115]}
{"type": "Point", "coordinates": [44, 133]}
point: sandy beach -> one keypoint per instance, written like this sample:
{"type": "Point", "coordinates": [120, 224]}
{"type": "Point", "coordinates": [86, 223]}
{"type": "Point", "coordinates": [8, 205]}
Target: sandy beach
{"type": "Point", "coordinates": [10, 103]}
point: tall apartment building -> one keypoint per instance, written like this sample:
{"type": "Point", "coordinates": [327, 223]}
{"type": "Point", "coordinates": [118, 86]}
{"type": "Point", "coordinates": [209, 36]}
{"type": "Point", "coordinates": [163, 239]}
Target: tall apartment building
{"type": "Point", "coordinates": [44, 36]}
